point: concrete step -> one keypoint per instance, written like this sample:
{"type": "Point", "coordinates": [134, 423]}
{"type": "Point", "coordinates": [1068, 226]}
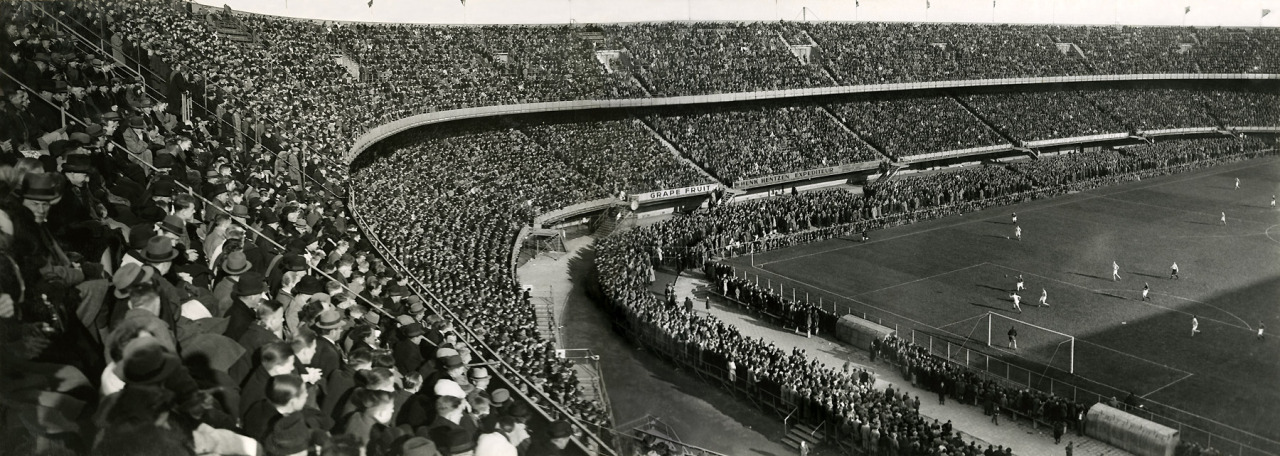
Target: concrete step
{"type": "Point", "coordinates": [800, 435]}
{"type": "Point", "coordinates": [807, 432]}
{"type": "Point", "coordinates": [791, 443]}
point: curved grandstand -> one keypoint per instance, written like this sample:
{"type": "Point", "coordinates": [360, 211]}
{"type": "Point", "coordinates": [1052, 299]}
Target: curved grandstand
{"type": "Point", "coordinates": [449, 145]}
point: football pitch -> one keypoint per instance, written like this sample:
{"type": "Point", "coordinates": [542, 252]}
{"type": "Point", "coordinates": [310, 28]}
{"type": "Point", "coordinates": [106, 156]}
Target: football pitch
{"type": "Point", "coordinates": [940, 279]}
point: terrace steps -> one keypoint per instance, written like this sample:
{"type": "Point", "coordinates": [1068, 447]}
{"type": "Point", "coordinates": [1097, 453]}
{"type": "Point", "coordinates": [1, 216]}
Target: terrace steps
{"type": "Point", "coordinates": [803, 433]}
{"type": "Point", "coordinates": [985, 121]}
{"type": "Point", "coordinates": [676, 150]}
{"type": "Point", "coordinates": [844, 125]}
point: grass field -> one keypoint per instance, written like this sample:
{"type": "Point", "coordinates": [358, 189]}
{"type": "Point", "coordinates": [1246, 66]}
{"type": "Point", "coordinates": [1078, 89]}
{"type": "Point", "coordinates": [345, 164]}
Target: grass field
{"type": "Point", "coordinates": [946, 275]}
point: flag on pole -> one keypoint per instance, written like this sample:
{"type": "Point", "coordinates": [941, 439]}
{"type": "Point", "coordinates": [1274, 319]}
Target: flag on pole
{"type": "Point", "coordinates": [1186, 10]}
{"type": "Point", "coordinates": [1265, 12]}
{"type": "Point", "coordinates": [464, 2]}
{"type": "Point", "coordinates": [993, 3]}
{"type": "Point", "coordinates": [371, 3]}
{"type": "Point", "coordinates": [927, 5]}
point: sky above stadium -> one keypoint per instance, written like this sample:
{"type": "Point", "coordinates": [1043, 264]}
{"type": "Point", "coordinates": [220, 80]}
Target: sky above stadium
{"type": "Point", "coordinates": [1135, 12]}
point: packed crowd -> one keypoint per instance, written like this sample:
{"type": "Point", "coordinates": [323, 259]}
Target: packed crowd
{"type": "Point", "coordinates": [905, 125]}
{"type": "Point", "coordinates": [626, 263]}
{"type": "Point", "coordinates": [1128, 49]}
{"type": "Point", "coordinates": [875, 421]}
{"type": "Point", "coordinates": [617, 154]}
{"type": "Point", "coordinates": [181, 274]}
{"type": "Point", "coordinates": [479, 66]}
{"type": "Point", "coordinates": [1033, 116]}
{"type": "Point", "coordinates": [1244, 108]}
{"type": "Point", "coordinates": [1153, 109]}
{"type": "Point", "coordinates": [761, 140]}
{"type": "Point", "coordinates": [172, 287]}
{"type": "Point", "coordinates": [676, 58]}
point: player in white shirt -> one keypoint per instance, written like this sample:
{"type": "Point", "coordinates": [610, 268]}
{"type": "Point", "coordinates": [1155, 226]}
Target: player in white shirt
{"type": "Point", "coordinates": [1173, 271]}
{"type": "Point", "coordinates": [1017, 302]}
{"type": "Point", "coordinates": [1017, 233]}
{"type": "Point", "coordinates": [1145, 290]}
{"type": "Point", "coordinates": [1195, 326]}
{"type": "Point", "coordinates": [1044, 298]}
{"type": "Point", "coordinates": [1020, 286]}
{"type": "Point", "coordinates": [1224, 218]}
{"type": "Point", "coordinates": [1115, 271]}
{"type": "Point", "coordinates": [1015, 218]}
{"type": "Point", "coordinates": [1273, 201]}
{"type": "Point", "coordinates": [1237, 183]}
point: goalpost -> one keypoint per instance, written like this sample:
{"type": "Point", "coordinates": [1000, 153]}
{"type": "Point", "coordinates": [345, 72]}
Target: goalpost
{"type": "Point", "coordinates": [1043, 333]}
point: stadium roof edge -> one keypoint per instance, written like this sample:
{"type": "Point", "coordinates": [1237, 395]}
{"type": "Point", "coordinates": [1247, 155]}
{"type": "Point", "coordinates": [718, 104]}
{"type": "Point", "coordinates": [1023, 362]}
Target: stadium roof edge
{"type": "Point", "coordinates": [389, 129]}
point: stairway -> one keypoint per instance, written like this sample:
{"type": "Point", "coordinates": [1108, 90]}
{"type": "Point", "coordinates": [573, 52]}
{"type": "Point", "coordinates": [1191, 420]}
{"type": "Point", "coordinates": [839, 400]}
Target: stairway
{"type": "Point", "coordinates": [347, 62]}
{"type": "Point", "coordinates": [675, 150]}
{"type": "Point", "coordinates": [607, 225]}
{"type": "Point", "coordinates": [986, 122]}
{"type": "Point", "coordinates": [230, 28]}
{"type": "Point", "coordinates": [845, 126]}
{"type": "Point", "coordinates": [544, 313]}
{"type": "Point", "coordinates": [805, 433]}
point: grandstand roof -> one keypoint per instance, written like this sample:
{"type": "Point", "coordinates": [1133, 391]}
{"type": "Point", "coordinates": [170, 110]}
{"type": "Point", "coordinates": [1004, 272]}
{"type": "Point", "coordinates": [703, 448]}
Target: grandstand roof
{"type": "Point", "coordinates": [1243, 13]}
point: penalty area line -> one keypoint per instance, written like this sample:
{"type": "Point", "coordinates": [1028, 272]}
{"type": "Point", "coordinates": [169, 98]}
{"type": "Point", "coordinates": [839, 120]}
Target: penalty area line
{"type": "Point", "coordinates": [1144, 396]}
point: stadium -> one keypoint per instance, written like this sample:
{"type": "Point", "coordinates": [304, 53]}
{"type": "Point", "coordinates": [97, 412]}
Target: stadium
{"type": "Point", "coordinates": [669, 228]}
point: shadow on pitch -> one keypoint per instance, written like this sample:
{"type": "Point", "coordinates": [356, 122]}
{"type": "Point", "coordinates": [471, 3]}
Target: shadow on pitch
{"type": "Point", "coordinates": [1112, 295]}
{"type": "Point", "coordinates": [1154, 276]}
{"type": "Point", "coordinates": [1081, 274]}
{"type": "Point", "coordinates": [1194, 222]}
{"type": "Point", "coordinates": [1002, 290]}
{"type": "Point", "coordinates": [988, 306]}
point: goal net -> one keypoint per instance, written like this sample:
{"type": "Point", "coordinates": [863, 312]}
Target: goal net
{"type": "Point", "coordinates": [1035, 343]}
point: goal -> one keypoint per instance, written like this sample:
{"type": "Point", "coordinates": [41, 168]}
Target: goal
{"type": "Point", "coordinates": [1036, 343]}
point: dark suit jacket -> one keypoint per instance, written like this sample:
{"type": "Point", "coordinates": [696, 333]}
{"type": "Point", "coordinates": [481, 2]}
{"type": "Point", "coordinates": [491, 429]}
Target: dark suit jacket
{"type": "Point", "coordinates": [408, 356]}
{"type": "Point", "coordinates": [253, 390]}
{"type": "Point", "coordinates": [338, 387]}
{"type": "Point", "coordinates": [239, 318]}
{"type": "Point", "coordinates": [327, 357]}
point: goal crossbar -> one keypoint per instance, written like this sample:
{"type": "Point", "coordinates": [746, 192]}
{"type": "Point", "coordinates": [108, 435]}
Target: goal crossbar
{"type": "Point", "coordinates": [1070, 338]}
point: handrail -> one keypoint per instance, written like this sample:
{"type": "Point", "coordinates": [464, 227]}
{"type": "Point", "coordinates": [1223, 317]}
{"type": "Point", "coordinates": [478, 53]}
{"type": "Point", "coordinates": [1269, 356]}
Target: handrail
{"type": "Point", "coordinates": [818, 428]}
{"type": "Point", "coordinates": [786, 419]}
{"type": "Point", "coordinates": [440, 308]}
{"type": "Point", "coordinates": [208, 113]}
{"type": "Point", "coordinates": [197, 195]}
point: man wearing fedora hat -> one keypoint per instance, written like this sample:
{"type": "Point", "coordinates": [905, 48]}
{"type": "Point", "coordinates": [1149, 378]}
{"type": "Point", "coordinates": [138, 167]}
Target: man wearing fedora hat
{"type": "Point", "coordinates": [554, 442]}
{"type": "Point", "coordinates": [408, 350]}
{"type": "Point", "coordinates": [249, 292]}
{"type": "Point", "coordinates": [231, 269]}
{"type": "Point", "coordinates": [330, 325]}
{"type": "Point", "coordinates": [83, 200]}
{"type": "Point", "coordinates": [138, 141]}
